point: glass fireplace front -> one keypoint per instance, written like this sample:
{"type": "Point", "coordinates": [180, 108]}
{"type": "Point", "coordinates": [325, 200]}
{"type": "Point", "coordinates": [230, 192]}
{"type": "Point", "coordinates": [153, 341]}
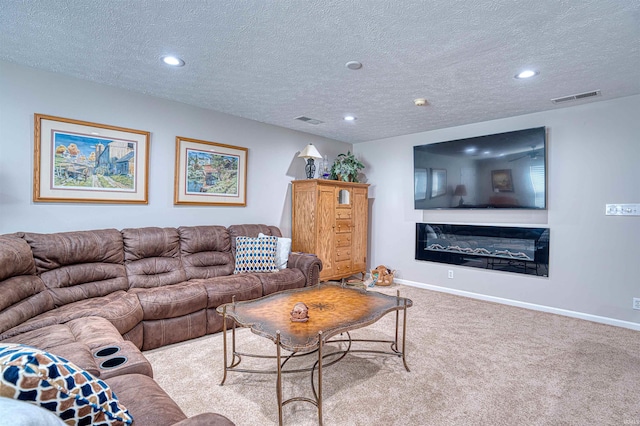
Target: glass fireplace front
{"type": "Point", "coordinates": [510, 249]}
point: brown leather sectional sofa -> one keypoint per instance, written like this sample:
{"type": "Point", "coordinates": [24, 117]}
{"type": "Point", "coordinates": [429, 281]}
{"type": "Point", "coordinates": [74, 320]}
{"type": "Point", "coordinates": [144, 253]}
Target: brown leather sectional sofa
{"type": "Point", "coordinates": [76, 293]}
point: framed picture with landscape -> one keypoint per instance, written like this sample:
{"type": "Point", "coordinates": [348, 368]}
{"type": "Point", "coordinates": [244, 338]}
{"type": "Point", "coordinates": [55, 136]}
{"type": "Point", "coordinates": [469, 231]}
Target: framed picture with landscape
{"type": "Point", "coordinates": [82, 162]}
{"type": "Point", "coordinates": [209, 173]}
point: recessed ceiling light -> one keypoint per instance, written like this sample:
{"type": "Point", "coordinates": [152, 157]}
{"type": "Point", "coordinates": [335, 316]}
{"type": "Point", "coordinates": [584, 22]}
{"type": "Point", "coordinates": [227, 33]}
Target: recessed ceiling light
{"type": "Point", "coordinates": [349, 118]}
{"type": "Point", "coordinates": [526, 74]}
{"type": "Point", "coordinates": [174, 61]}
{"type": "Point", "coordinates": [470, 150]}
{"type": "Point", "coordinates": [353, 65]}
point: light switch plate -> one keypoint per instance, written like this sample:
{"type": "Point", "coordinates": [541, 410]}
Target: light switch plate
{"type": "Point", "coordinates": [623, 210]}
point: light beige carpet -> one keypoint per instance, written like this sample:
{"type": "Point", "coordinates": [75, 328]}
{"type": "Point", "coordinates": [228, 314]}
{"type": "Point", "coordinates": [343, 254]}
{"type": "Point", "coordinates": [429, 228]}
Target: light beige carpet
{"type": "Point", "coordinates": [472, 363]}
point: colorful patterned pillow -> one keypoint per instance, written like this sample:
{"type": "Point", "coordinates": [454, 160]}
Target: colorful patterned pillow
{"type": "Point", "coordinates": [77, 397]}
{"type": "Point", "coordinates": [255, 254]}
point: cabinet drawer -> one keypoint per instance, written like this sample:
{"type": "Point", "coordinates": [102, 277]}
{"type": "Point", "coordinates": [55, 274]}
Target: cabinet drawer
{"type": "Point", "coordinates": [343, 267]}
{"type": "Point", "coordinates": [343, 253]}
{"type": "Point", "coordinates": [343, 240]}
{"type": "Point", "coordinates": [343, 225]}
{"type": "Point", "coordinates": [343, 213]}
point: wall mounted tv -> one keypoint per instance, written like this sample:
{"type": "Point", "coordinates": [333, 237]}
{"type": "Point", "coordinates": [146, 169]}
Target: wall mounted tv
{"type": "Point", "coordinates": [499, 171]}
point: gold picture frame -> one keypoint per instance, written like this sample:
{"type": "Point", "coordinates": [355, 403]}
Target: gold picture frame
{"type": "Point", "coordinates": [210, 173]}
{"type": "Point", "coordinates": [501, 180]}
{"type": "Point", "coordinates": [82, 162]}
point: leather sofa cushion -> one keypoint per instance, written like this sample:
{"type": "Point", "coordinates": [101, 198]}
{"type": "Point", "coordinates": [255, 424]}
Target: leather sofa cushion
{"type": "Point", "coordinates": [94, 332]}
{"type": "Point", "coordinates": [222, 289]}
{"type": "Point", "coordinates": [194, 239]}
{"type": "Point", "coordinates": [146, 401]}
{"type": "Point", "coordinates": [18, 288]}
{"type": "Point", "coordinates": [23, 292]}
{"type": "Point", "coordinates": [155, 272]}
{"type": "Point", "coordinates": [167, 331]}
{"type": "Point", "coordinates": [122, 309]}
{"type": "Point", "coordinates": [206, 251]}
{"type": "Point", "coordinates": [141, 243]}
{"type": "Point", "coordinates": [52, 251]}
{"type": "Point", "coordinates": [78, 353]}
{"type": "Point", "coordinates": [15, 258]}
{"type": "Point", "coordinates": [135, 335]}
{"type": "Point", "coordinates": [75, 340]}
{"type": "Point", "coordinates": [214, 322]}
{"type": "Point", "coordinates": [72, 283]}
{"type": "Point", "coordinates": [208, 264]}
{"type": "Point", "coordinates": [75, 352]}
{"type": "Point", "coordinates": [171, 301]}
{"type": "Point", "coordinates": [23, 311]}
{"type": "Point", "coordinates": [285, 279]}
{"type": "Point", "coordinates": [152, 257]}
{"type": "Point", "coordinates": [79, 265]}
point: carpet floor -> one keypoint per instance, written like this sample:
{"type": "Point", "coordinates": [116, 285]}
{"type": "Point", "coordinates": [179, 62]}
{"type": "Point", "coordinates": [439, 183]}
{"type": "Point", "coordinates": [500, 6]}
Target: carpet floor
{"type": "Point", "coordinates": [472, 363]}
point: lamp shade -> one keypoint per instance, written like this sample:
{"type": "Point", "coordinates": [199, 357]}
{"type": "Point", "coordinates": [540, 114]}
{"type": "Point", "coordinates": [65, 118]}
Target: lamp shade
{"type": "Point", "coordinates": [309, 151]}
{"type": "Point", "coordinates": [460, 191]}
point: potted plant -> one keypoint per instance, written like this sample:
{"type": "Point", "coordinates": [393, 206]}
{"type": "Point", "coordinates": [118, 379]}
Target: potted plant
{"type": "Point", "coordinates": [346, 168]}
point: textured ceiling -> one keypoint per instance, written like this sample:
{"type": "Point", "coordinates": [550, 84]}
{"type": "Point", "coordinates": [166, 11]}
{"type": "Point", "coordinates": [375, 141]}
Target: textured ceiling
{"type": "Point", "coordinates": [272, 61]}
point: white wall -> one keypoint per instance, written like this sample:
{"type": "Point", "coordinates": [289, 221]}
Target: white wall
{"type": "Point", "coordinates": [272, 161]}
{"type": "Point", "coordinates": [594, 159]}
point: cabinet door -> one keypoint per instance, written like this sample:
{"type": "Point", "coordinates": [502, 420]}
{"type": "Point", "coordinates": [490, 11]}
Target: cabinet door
{"type": "Point", "coordinates": [303, 229]}
{"type": "Point", "coordinates": [325, 215]}
{"type": "Point", "coordinates": [359, 229]}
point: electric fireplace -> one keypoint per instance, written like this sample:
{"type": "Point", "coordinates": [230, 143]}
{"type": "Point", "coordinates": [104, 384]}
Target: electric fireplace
{"type": "Point", "coordinates": [509, 249]}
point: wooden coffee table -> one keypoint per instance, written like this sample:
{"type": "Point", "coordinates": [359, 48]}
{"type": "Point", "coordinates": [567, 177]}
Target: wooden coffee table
{"type": "Point", "coordinates": [334, 310]}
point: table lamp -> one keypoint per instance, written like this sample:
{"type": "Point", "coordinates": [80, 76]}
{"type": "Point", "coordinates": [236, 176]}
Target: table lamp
{"type": "Point", "coordinates": [309, 153]}
{"type": "Point", "coordinates": [460, 191]}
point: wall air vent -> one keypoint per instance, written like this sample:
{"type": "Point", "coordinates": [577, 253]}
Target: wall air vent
{"type": "Point", "coordinates": [309, 120]}
{"type": "Point", "coordinates": [576, 97]}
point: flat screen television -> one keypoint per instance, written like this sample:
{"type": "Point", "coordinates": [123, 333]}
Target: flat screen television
{"type": "Point", "coordinates": [498, 171]}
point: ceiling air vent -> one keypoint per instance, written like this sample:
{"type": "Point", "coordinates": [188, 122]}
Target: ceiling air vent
{"type": "Point", "coordinates": [309, 120]}
{"type": "Point", "coordinates": [575, 97]}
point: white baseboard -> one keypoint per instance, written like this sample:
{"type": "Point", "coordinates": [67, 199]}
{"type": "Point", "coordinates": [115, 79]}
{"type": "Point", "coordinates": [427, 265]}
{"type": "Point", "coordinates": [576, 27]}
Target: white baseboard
{"type": "Point", "coordinates": [532, 306]}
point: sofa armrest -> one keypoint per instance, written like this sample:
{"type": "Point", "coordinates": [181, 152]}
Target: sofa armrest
{"type": "Point", "coordinates": [309, 264]}
{"type": "Point", "coordinates": [206, 419]}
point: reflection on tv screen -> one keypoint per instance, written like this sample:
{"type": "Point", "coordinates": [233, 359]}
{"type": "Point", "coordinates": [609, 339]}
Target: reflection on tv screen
{"type": "Point", "coordinates": [503, 170]}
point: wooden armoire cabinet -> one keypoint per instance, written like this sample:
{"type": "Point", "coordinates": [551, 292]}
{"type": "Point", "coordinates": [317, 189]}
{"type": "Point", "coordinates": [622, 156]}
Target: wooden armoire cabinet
{"type": "Point", "coordinates": [330, 219]}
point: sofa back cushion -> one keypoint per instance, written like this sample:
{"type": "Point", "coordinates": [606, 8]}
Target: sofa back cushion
{"type": "Point", "coordinates": [79, 265]}
{"type": "Point", "coordinates": [23, 292]}
{"type": "Point", "coordinates": [206, 251]}
{"type": "Point", "coordinates": [152, 257]}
